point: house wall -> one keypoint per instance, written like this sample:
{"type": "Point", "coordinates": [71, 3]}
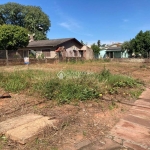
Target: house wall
{"type": "Point", "coordinates": [125, 54]}
{"type": "Point", "coordinates": [102, 54]}
{"type": "Point", "coordinates": [51, 50]}
{"type": "Point", "coordinates": [89, 54]}
{"type": "Point", "coordinates": [115, 54]}
{"type": "Point", "coordinates": [70, 46]}
{"type": "Point", "coordinates": [72, 49]}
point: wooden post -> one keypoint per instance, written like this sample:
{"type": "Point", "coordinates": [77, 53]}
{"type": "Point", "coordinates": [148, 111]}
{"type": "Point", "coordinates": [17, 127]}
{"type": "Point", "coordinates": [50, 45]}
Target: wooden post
{"type": "Point", "coordinates": [7, 57]}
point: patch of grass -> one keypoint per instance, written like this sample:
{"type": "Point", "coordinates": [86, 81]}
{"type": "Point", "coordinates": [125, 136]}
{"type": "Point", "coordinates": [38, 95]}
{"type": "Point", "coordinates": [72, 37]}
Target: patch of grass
{"type": "Point", "coordinates": [75, 86]}
{"type": "Point", "coordinates": [67, 90]}
{"type": "Point", "coordinates": [112, 105]}
{"type": "Point", "coordinates": [136, 93]}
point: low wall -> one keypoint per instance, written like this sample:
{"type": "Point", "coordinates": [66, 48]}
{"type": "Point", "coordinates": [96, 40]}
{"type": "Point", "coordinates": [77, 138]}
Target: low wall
{"type": "Point", "coordinates": [71, 59]}
{"type": "Point", "coordinates": [134, 60]}
{"type": "Point", "coordinates": [12, 62]}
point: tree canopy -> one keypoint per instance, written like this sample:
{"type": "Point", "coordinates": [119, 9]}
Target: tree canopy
{"type": "Point", "coordinates": [98, 43]}
{"type": "Point", "coordinates": [29, 17]}
{"type": "Point", "coordinates": [95, 48]}
{"type": "Point", "coordinates": [13, 37]}
{"type": "Point", "coordinates": [82, 42]}
{"type": "Point", "coordinates": [140, 45]}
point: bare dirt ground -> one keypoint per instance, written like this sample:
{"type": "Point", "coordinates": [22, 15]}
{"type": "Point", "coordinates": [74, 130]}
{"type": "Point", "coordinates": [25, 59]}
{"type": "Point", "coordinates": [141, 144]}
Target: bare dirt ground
{"type": "Point", "coordinates": [84, 120]}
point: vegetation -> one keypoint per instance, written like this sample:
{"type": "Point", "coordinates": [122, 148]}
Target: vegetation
{"type": "Point", "coordinates": [98, 43]}
{"type": "Point", "coordinates": [29, 17]}
{"type": "Point", "coordinates": [138, 46]}
{"type": "Point", "coordinates": [82, 42]}
{"type": "Point", "coordinates": [96, 49]}
{"type": "Point", "coordinates": [74, 87]}
{"type": "Point", "coordinates": [13, 37]}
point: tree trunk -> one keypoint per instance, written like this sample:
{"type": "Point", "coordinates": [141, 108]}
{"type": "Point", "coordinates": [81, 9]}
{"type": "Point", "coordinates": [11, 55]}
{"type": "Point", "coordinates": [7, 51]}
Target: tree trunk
{"type": "Point", "coordinates": [7, 57]}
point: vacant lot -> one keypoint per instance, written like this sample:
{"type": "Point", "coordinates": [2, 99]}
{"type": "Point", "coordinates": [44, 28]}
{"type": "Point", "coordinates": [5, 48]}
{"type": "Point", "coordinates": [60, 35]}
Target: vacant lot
{"type": "Point", "coordinates": [89, 100]}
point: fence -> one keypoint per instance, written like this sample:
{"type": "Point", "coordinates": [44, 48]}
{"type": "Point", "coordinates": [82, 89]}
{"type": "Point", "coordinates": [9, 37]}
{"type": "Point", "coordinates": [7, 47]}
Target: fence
{"type": "Point", "coordinates": [20, 61]}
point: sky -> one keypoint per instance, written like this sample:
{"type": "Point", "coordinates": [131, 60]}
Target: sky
{"type": "Point", "coordinates": [91, 20]}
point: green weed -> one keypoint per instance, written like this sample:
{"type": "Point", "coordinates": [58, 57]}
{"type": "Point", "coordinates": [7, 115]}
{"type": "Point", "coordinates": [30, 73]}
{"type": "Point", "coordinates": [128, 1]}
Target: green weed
{"type": "Point", "coordinates": [75, 86]}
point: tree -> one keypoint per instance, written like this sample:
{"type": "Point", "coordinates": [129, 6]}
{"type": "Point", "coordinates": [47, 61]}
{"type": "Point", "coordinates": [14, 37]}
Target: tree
{"type": "Point", "coordinates": [13, 37]}
{"type": "Point", "coordinates": [82, 42]}
{"type": "Point", "coordinates": [140, 45]}
{"type": "Point", "coordinates": [98, 43]}
{"type": "Point", "coordinates": [29, 17]}
{"type": "Point", "coordinates": [96, 49]}
{"type": "Point", "coordinates": [126, 46]}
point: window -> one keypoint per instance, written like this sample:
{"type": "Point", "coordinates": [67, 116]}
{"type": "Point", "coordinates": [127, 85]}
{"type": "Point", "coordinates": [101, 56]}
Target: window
{"type": "Point", "coordinates": [75, 53]}
{"type": "Point", "coordinates": [46, 53]}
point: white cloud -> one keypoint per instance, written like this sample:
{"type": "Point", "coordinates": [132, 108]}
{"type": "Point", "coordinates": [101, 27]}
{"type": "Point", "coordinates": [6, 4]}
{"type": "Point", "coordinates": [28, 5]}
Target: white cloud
{"type": "Point", "coordinates": [70, 24]}
{"type": "Point", "coordinates": [65, 25]}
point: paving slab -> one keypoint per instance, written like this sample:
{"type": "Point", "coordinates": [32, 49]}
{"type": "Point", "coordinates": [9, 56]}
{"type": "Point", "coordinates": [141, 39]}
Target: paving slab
{"type": "Point", "coordinates": [130, 126]}
{"type": "Point", "coordinates": [138, 120]}
{"type": "Point", "coordinates": [29, 131]}
{"type": "Point", "coordinates": [142, 103]}
{"type": "Point", "coordinates": [147, 110]}
{"type": "Point", "coordinates": [17, 121]}
{"type": "Point", "coordinates": [133, 137]}
{"type": "Point", "coordinates": [133, 130]}
{"type": "Point", "coordinates": [145, 94]}
{"type": "Point", "coordinates": [146, 100]}
{"type": "Point", "coordinates": [140, 113]}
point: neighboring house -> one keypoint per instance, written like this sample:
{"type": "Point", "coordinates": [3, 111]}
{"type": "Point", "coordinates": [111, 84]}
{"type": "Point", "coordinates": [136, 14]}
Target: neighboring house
{"type": "Point", "coordinates": [54, 48]}
{"type": "Point", "coordinates": [113, 51]}
{"type": "Point", "coordinates": [88, 52]}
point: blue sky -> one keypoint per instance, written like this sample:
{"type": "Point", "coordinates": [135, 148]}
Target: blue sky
{"type": "Point", "coordinates": [91, 20]}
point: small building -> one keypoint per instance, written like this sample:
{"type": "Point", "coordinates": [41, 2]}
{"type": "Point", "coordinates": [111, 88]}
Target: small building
{"type": "Point", "coordinates": [113, 51]}
{"type": "Point", "coordinates": [56, 48]}
{"type": "Point", "coordinates": [88, 52]}
{"type": "Point", "coordinates": [53, 48]}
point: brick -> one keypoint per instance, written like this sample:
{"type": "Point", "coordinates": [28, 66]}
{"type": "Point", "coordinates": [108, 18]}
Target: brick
{"type": "Point", "coordinates": [138, 120]}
